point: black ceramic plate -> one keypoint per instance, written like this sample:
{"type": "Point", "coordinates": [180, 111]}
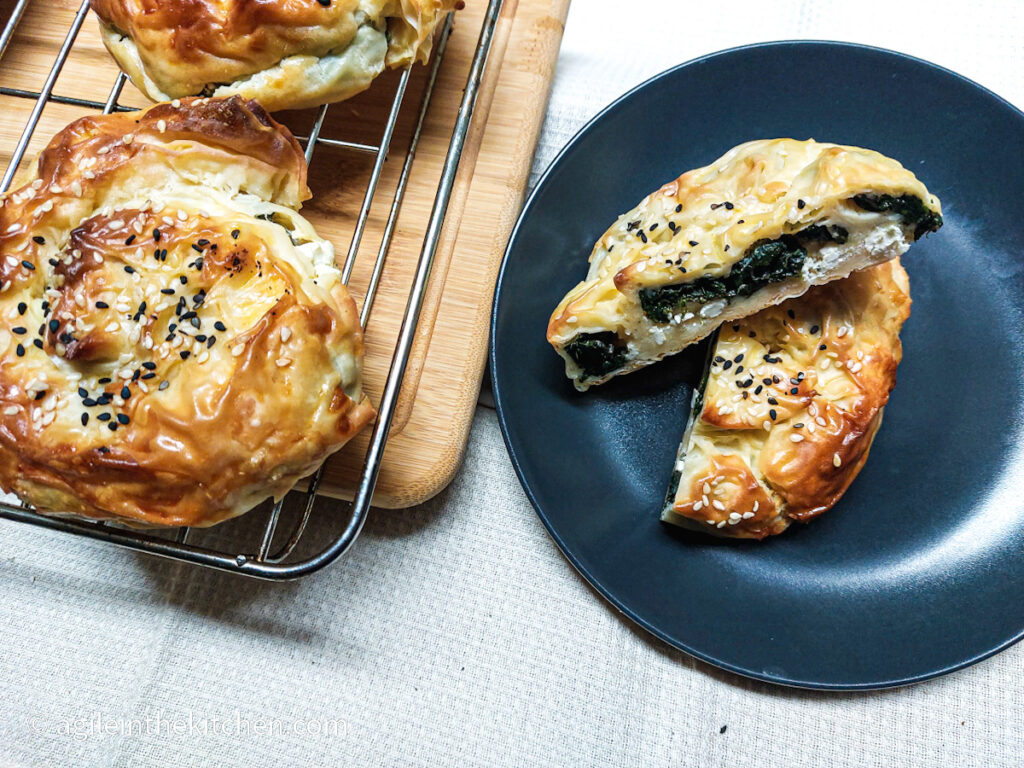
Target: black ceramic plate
{"type": "Point", "coordinates": [919, 569]}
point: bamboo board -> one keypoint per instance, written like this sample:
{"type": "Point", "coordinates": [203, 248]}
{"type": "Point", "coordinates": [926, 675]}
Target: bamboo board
{"type": "Point", "coordinates": [438, 398]}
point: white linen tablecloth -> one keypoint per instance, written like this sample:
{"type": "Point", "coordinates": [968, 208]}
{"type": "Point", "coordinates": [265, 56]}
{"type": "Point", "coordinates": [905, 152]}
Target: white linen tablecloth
{"type": "Point", "coordinates": [455, 633]}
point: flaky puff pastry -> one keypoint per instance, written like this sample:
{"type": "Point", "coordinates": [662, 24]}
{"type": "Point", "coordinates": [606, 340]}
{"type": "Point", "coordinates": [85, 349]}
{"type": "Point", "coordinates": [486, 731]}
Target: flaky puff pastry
{"type": "Point", "coordinates": [176, 343]}
{"type": "Point", "coordinates": [793, 399]}
{"type": "Point", "coordinates": [760, 225]}
{"type": "Point", "coordinates": [288, 54]}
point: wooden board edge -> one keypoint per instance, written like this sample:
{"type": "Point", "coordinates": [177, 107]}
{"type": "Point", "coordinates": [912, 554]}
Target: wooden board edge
{"type": "Point", "coordinates": [403, 488]}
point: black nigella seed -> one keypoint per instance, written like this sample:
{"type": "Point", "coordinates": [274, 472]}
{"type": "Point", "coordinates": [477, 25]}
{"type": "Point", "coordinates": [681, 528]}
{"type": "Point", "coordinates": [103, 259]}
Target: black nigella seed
{"type": "Point", "coordinates": [234, 234]}
{"type": "Point", "coordinates": [85, 419]}
{"type": "Point", "coordinates": [164, 385]}
{"type": "Point", "coordinates": [136, 373]}
{"type": "Point", "coordinates": [129, 269]}
{"type": "Point", "coordinates": [27, 264]}
{"type": "Point", "coordinates": [195, 322]}
{"type": "Point", "coordinates": [40, 395]}
{"type": "Point", "coordinates": [199, 264]}
{"type": "Point", "coordinates": [211, 341]}
{"type": "Point", "coordinates": [156, 235]}
{"type": "Point", "coordinates": [183, 279]}
{"type": "Point", "coordinates": [104, 380]}
{"type": "Point", "coordinates": [148, 376]}
{"type": "Point", "coordinates": [791, 313]}
{"type": "Point", "coordinates": [22, 307]}
{"type": "Point", "coordinates": [149, 365]}
{"type": "Point", "coordinates": [167, 291]}
{"type": "Point", "coordinates": [800, 204]}
{"type": "Point", "coordinates": [20, 330]}
{"type": "Point", "coordinates": [66, 338]}
{"type": "Point", "coordinates": [794, 391]}
{"type": "Point", "coordinates": [729, 206]}
{"type": "Point", "coordinates": [815, 329]}
{"type": "Point", "coordinates": [112, 427]}
{"type": "Point", "coordinates": [83, 392]}
{"type": "Point", "coordinates": [54, 325]}
{"type": "Point", "coordinates": [123, 418]}
{"type": "Point", "coordinates": [822, 346]}
{"type": "Point", "coordinates": [727, 365]}
{"type": "Point", "coordinates": [201, 337]}
{"type": "Point", "coordinates": [169, 337]}
{"type": "Point", "coordinates": [773, 401]}
{"type": "Point", "coordinates": [39, 239]}
{"type": "Point", "coordinates": [20, 349]}
{"type": "Point", "coordinates": [679, 208]}
{"type": "Point", "coordinates": [773, 414]}
{"type": "Point", "coordinates": [38, 343]}
{"type": "Point", "coordinates": [184, 354]}
{"type": "Point", "coordinates": [694, 243]}
{"type": "Point", "coordinates": [197, 248]}
{"type": "Point", "coordinates": [130, 240]}
{"type": "Point", "coordinates": [642, 236]}
{"type": "Point", "coordinates": [102, 305]}
{"type": "Point", "coordinates": [52, 262]}
{"type": "Point", "coordinates": [220, 326]}
{"type": "Point", "coordinates": [325, 3]}
{"type": "Point", "coordinates": [88, 402]}
{"type": "Point", "coordinates": [104, 417]}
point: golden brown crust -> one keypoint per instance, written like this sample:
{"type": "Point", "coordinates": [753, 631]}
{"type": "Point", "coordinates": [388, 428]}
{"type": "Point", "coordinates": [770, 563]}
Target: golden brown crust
{"type": "Point", "coordinates": [706, 221]}
{"type": "Point", "coordinates": [286, 53]}
{"type": "Point", "coordinates": [794, 399]}
{"type": "Point", "coordinates": [175, 341]}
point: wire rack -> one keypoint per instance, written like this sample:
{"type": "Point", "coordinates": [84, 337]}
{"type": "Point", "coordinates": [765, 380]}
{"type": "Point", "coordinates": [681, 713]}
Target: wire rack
{"type": "Point", "coordinates": [257, 556]}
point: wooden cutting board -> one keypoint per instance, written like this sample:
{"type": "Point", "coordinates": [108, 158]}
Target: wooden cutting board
{"type": "Point", "coordinates": [437, 402]}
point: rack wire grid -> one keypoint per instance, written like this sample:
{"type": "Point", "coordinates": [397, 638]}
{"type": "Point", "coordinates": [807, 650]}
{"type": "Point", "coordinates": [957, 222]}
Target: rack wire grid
{"type": "Point", "coordinates": [265, 561]}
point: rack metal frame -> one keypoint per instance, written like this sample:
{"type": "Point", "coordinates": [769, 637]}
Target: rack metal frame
{"type": "Point", "coordinates": [264, 563]}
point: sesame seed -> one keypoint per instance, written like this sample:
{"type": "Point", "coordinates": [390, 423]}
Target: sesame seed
{"type": "Point", "coordinates": [718, 505]}
{"type": "Point", "coordinates": [10, 410]}
{"type": "Point", "coordinates": [836, 461]}
{"type": "Point", "coordinates": [698, 506]}
{"type": "Point", "coordinates": [796, 438]}
{"type": "Point", "coordinates": [283, 361]}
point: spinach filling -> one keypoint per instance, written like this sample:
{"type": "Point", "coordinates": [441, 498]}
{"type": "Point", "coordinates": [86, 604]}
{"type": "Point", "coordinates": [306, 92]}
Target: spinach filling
{"type": "Point", "coordinates": [767, 261]}
{"type": "Point", "coordinates": [597, 353]}
{"type": "Point", "coordinates": [910, 208]}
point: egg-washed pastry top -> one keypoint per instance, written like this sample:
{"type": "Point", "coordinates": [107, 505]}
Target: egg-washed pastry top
{"type": "Point", "coordinates": [288, 54]}
{"type": "Point", "coordinates": [176, 344]}
{"type": "Point", "coordinates": [758, 226]}
{"type": "Point", "coordinates": [793, 399]}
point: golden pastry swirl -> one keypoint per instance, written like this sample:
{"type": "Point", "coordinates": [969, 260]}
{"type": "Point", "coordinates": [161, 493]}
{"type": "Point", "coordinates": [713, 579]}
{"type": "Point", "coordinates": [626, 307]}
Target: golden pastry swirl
{"type": "Point", "coordinates": [286, 53]}
{"type": "Point", "coordinates": [794, 398]}
{"type": "Point", "coordinates": [175, 340]}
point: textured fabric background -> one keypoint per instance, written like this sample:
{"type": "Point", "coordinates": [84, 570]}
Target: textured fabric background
{"type": "Point", "coordinates": [455, 633]}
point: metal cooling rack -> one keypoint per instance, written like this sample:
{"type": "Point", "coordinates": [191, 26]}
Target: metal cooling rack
{"type": "Point", "coordinates": [264, 560]}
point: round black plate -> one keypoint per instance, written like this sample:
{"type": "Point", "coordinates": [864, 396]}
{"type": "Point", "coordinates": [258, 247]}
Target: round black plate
{"type": "Point", "coordinates": [919, 569]}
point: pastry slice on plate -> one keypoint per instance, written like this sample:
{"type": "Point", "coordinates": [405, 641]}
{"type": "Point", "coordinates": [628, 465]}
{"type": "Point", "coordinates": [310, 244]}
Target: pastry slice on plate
{"type": "Point", "coordinates": [792, 400]}
{"type": "Point", "coordinates": [760, 225]}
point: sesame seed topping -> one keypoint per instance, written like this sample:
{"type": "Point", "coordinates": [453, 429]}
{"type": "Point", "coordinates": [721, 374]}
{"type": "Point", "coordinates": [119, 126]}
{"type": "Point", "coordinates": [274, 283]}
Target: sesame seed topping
{"type": "Point", "coordinates": [796, 438]}
{"type": "Point", "coordinates": [836, 461]}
